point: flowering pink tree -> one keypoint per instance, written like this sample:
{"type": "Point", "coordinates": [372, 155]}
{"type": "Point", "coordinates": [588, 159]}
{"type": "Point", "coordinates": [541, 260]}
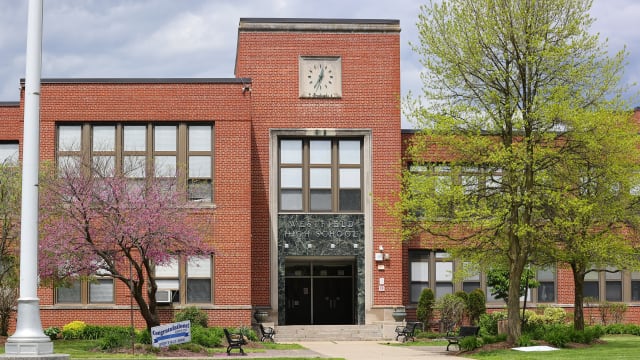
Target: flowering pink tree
{"type": "Point", "coordinates": [114, 226]}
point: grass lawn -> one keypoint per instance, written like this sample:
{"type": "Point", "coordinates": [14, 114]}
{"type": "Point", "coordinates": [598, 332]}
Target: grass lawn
{"type": "Point", "coordinates": [614, 347]}
{"type": "Point", "coordinates": [85, 349]}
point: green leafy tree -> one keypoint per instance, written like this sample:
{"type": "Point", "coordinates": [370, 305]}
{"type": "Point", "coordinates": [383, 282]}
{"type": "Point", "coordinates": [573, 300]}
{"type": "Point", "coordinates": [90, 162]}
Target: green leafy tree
{"type": "Point", "coordinates": [593, 217]}
{"type": "Point", "coordinates": [9, 241]}
{"type": "Point", "coordinates": [426, 302]}
{"type": "Point", "coordinates": [506, 83]}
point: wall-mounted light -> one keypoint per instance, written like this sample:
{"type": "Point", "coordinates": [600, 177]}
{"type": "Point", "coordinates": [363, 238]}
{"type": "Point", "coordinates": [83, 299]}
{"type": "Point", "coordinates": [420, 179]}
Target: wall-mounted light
{"type": "Point", "coordinates": [381, 248]}
{"type": "Point", "coordinates": [246, 88]}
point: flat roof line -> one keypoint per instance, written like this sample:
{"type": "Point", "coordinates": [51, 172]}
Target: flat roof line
{"type": "Point", "coordinates": [319, 25]}
{"type": "Point", "coordinates": [144, 81]}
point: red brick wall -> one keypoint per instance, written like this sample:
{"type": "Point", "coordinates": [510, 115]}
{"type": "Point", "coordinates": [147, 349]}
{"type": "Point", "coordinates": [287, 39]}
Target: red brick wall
{"type": "Point", "coordinates": [370, 100]}
{"type": "Point", "coordinates": [228, 224]}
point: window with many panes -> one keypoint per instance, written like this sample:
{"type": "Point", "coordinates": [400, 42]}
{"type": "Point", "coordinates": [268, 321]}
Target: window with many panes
{"type": "Point", "coordinates": [135, 150]}
{"type": "Point", "coordinates": [427, 268]}
{"type": "Point", "coordinates": [99, 290]}
{"type": "Point", "coordinates": [320, 174]}
{"type": "Point", "coordinates": [546, 291]}
{"type": "Point", "coordinates": [192, 277]}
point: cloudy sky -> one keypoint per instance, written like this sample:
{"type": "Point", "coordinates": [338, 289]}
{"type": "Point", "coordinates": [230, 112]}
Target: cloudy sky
{"type": "Point", "coordinates": [197, 38]}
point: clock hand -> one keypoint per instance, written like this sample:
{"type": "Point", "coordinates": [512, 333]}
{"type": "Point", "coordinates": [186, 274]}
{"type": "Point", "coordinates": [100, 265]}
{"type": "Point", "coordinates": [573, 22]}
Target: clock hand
{"type": "Point", "coordinates": [320, 77]}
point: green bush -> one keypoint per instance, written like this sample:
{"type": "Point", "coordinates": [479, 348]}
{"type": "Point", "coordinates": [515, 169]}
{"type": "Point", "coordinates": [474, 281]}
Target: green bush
{"type": "Point", "coordinates": [424, 311]}
{"type": "Point", "coordinates": [52, 332]}
{"type": "Point", "coordinates": [451, 308]}
{"type": "Point", "coordinates": [113, 340]}
{"type": "Point", "coordinates": [197, 316]}
{"type": "Point", "coordinates": [469, 343]}
{"type": "Point", "coordinates": [524, 340]}
{"type": "Point", "coordinates": [143, 336]}
{"type": "Point", "coordinates": [73, 330]}
{"type": "Point", "coordinates": [489, 322]}
{"type": "Point", "coordinates": [476, 305]}
{"type": "Point", "coordinates": [207, 337]}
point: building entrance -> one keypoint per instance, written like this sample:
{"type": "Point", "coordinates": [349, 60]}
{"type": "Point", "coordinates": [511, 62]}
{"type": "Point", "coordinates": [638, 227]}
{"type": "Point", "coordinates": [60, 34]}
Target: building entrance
{"type": "Point", "coordinates": [319, 292]}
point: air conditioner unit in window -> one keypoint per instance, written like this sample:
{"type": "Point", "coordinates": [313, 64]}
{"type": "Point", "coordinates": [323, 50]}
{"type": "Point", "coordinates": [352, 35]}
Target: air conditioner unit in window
{"type": "Point", "coordinates": [163, 296]}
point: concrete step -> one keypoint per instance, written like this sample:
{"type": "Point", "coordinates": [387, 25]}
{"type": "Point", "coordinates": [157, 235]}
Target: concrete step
{"type": "Point", "coordinates": [294, 333]}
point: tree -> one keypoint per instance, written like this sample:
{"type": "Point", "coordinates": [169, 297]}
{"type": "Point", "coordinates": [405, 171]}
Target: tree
{"type": "Point", "coordinates": [498, 281]}
{"type": "Point", "coordinates": [501, 78]}
{"type": "Point", "coordinates": [594, 223]}
{"type": "Point", "coordinates": [9, 240]}
{"type": "Point", "coordinates": [115, 226]}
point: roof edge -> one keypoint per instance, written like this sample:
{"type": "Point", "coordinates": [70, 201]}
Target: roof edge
{"type": "Point", "coordinates": [143, 81]}
{"type": "Point", "coordinates": [319, 25]}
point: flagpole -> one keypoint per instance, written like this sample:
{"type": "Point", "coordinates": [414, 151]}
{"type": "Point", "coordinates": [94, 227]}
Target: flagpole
{"type": "Point", "coordinates": [29, 340]}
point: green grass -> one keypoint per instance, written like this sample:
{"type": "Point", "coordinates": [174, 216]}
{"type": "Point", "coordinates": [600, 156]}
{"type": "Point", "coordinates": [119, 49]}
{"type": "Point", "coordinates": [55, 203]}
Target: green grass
{"type": "Point", "coordinates": [85, 349]}
{"type": "Point", "coordinates": [615, 347]}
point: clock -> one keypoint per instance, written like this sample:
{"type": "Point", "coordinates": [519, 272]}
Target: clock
{"type": "Point", "coordinates": [320, 77]}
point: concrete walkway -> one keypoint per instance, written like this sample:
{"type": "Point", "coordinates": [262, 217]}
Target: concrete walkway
{"type": "Point", "coordinates": [376, 350]}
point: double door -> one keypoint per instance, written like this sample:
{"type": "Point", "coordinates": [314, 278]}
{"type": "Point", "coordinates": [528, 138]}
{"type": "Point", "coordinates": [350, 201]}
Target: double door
{"type": "Point", "coordinates": [319, 293]}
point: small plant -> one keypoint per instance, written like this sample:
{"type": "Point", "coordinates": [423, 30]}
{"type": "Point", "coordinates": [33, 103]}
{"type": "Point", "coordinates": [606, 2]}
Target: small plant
{"type": "Point", "coordinates": [113, 341]}
{"type": "Point", "coordinates": [476, 305]}
{"type": "Point", "coordinates": [197, 316]}
{"type": "Point", "coordinates": [524, 340]}
{"type": "Point", "coordinates": [469, 343]}
{"type": "Point", "coordinates": [73, 330]}
{"type": "Point", "coordinates": [52, 332]}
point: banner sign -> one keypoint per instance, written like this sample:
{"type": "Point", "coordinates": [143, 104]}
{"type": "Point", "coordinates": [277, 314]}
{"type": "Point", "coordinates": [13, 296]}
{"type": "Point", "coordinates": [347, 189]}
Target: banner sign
{"type": "Point", "coordinates": [170, 334]}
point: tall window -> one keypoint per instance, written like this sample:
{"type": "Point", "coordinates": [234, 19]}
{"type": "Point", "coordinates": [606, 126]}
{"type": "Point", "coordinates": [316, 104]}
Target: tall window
{"type": "Point", "coordinates": [444, 274]}
{"type": "Point", "coordinates": [163, 150]}
{"type": "Point", "coordinates": [418, 273]}
{"type": "Point", "coordinates": [546, 291]}
{"type": "Point", "coordinates": [591, 285]}
{"type": "Point", "coordinates": [320, 175]}
{"type": "Point", "coordinates": [613, 284]}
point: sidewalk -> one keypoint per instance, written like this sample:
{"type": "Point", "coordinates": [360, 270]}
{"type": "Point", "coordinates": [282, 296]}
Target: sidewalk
{"type": "Point", "coordinates": [356, 350]}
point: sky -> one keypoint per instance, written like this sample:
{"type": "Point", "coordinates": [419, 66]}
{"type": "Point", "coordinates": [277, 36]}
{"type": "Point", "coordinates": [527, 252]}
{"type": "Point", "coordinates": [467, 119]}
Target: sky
{"type": "Point", "coordinates": [198, 38]}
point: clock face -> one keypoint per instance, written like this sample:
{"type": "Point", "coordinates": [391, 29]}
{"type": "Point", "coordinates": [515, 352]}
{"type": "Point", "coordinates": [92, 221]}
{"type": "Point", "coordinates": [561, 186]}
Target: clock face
{"type": "Point", "coordinates": [320, 77]}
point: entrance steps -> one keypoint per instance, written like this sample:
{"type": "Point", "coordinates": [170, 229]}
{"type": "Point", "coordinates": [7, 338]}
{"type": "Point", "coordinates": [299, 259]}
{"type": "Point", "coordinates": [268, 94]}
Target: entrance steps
{"type": "Point", "coordinates": [294, 333]}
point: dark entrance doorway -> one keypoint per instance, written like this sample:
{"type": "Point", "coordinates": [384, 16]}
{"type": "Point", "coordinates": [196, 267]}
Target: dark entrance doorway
{"type": "Point", "coordinates": [319, 292]}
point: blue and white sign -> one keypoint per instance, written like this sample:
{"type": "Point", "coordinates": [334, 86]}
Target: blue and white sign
{"type": "Point", "coordinates": [171, 334]}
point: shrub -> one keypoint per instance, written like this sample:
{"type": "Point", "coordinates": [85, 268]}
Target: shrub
{"type": "Point", "coordinates": [489, 322]}
{"type": "Point", "coordinates": [469, 343]}
{"type": "Point", "coordinates": [143, 336]}
{"type": "Point", "coordinates": [424, 312]}
{"type": "Point", "coordinates": [207, 337]}
{"type": "Point", "coordinates": [476, 305]}
{"type": "Point", "coordinates": [197, 316]}
{"type": "Point", "coordinates": [524, 340]}
{"type": "Point", "coordinates": [555, 315]}
{"type": "Point", "coordinates": [113, 340]}
{"type": "Point", "coordinates": [451, 308]}
{"type": "Point", "coordinates": [52, 332]}
{"type": "Point", "coordinates": [73, 330]}
{"type": "Point", "coordinates": [557, 335]}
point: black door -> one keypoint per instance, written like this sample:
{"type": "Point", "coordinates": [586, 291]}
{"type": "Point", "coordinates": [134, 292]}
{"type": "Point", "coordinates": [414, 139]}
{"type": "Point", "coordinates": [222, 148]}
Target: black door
{"type": "Point", "coordinates": [319, 293]}
{"type": "Point", "coordinates": [332, 301]}
{"type": "Point", "coordinates": [298, 301]}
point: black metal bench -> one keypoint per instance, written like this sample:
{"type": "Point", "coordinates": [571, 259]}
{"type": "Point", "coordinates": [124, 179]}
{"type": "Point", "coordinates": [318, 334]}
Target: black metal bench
{"type": "Point", "coordinates": [235, 341]}
{"type": "Point", "coordinates": [267, 333]}
{"type": "Point", "coordinates": [463, 332]}
{"type": "Point", "coordinates": [407, 332]}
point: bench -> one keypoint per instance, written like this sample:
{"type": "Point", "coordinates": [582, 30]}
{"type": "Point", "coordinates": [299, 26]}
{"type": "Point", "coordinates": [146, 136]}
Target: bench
{"type": "Point", "coordinates": [407, 332]}
{"type": "Point", "coordinates": [454, 338]}
{"type": "Point", "coordinates": [267, 333]}
{"type": "Point", "coordinates": [235, 341]}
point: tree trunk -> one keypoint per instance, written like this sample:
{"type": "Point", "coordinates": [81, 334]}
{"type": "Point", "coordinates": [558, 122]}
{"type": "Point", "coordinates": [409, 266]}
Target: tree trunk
{"type": "Point", "coordinates": [578, 299]}
{"type": "Point", "coordinates": [513, 304]}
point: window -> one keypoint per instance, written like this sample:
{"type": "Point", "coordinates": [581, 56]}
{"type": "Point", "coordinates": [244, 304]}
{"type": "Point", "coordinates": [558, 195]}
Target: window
{"type": "Point", "coordinates": [613, 284]}
{"type": "Point", "coordinates": [418, 273]}
{"type": "Point", "coordinates": [635, 286]}
{"type": "Point", "coordinates": [9, 153]}
{"type": "Point", "coordinates": [444, 274]}
{"type": "Point", "coordinates": [472, 281]}
{"type": "Point", "coordinates": [177, 150]}
{"type": "Point", "coordinates": [99, 290]}
{"type": "Point", "coordinates": [591, 285]}
{"type": "Point", "coordinates": [320, 175]}
{"type": "Point", "coordinates": [546, 291]}
{"type": "Point", "coordinates": [191, 276]}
